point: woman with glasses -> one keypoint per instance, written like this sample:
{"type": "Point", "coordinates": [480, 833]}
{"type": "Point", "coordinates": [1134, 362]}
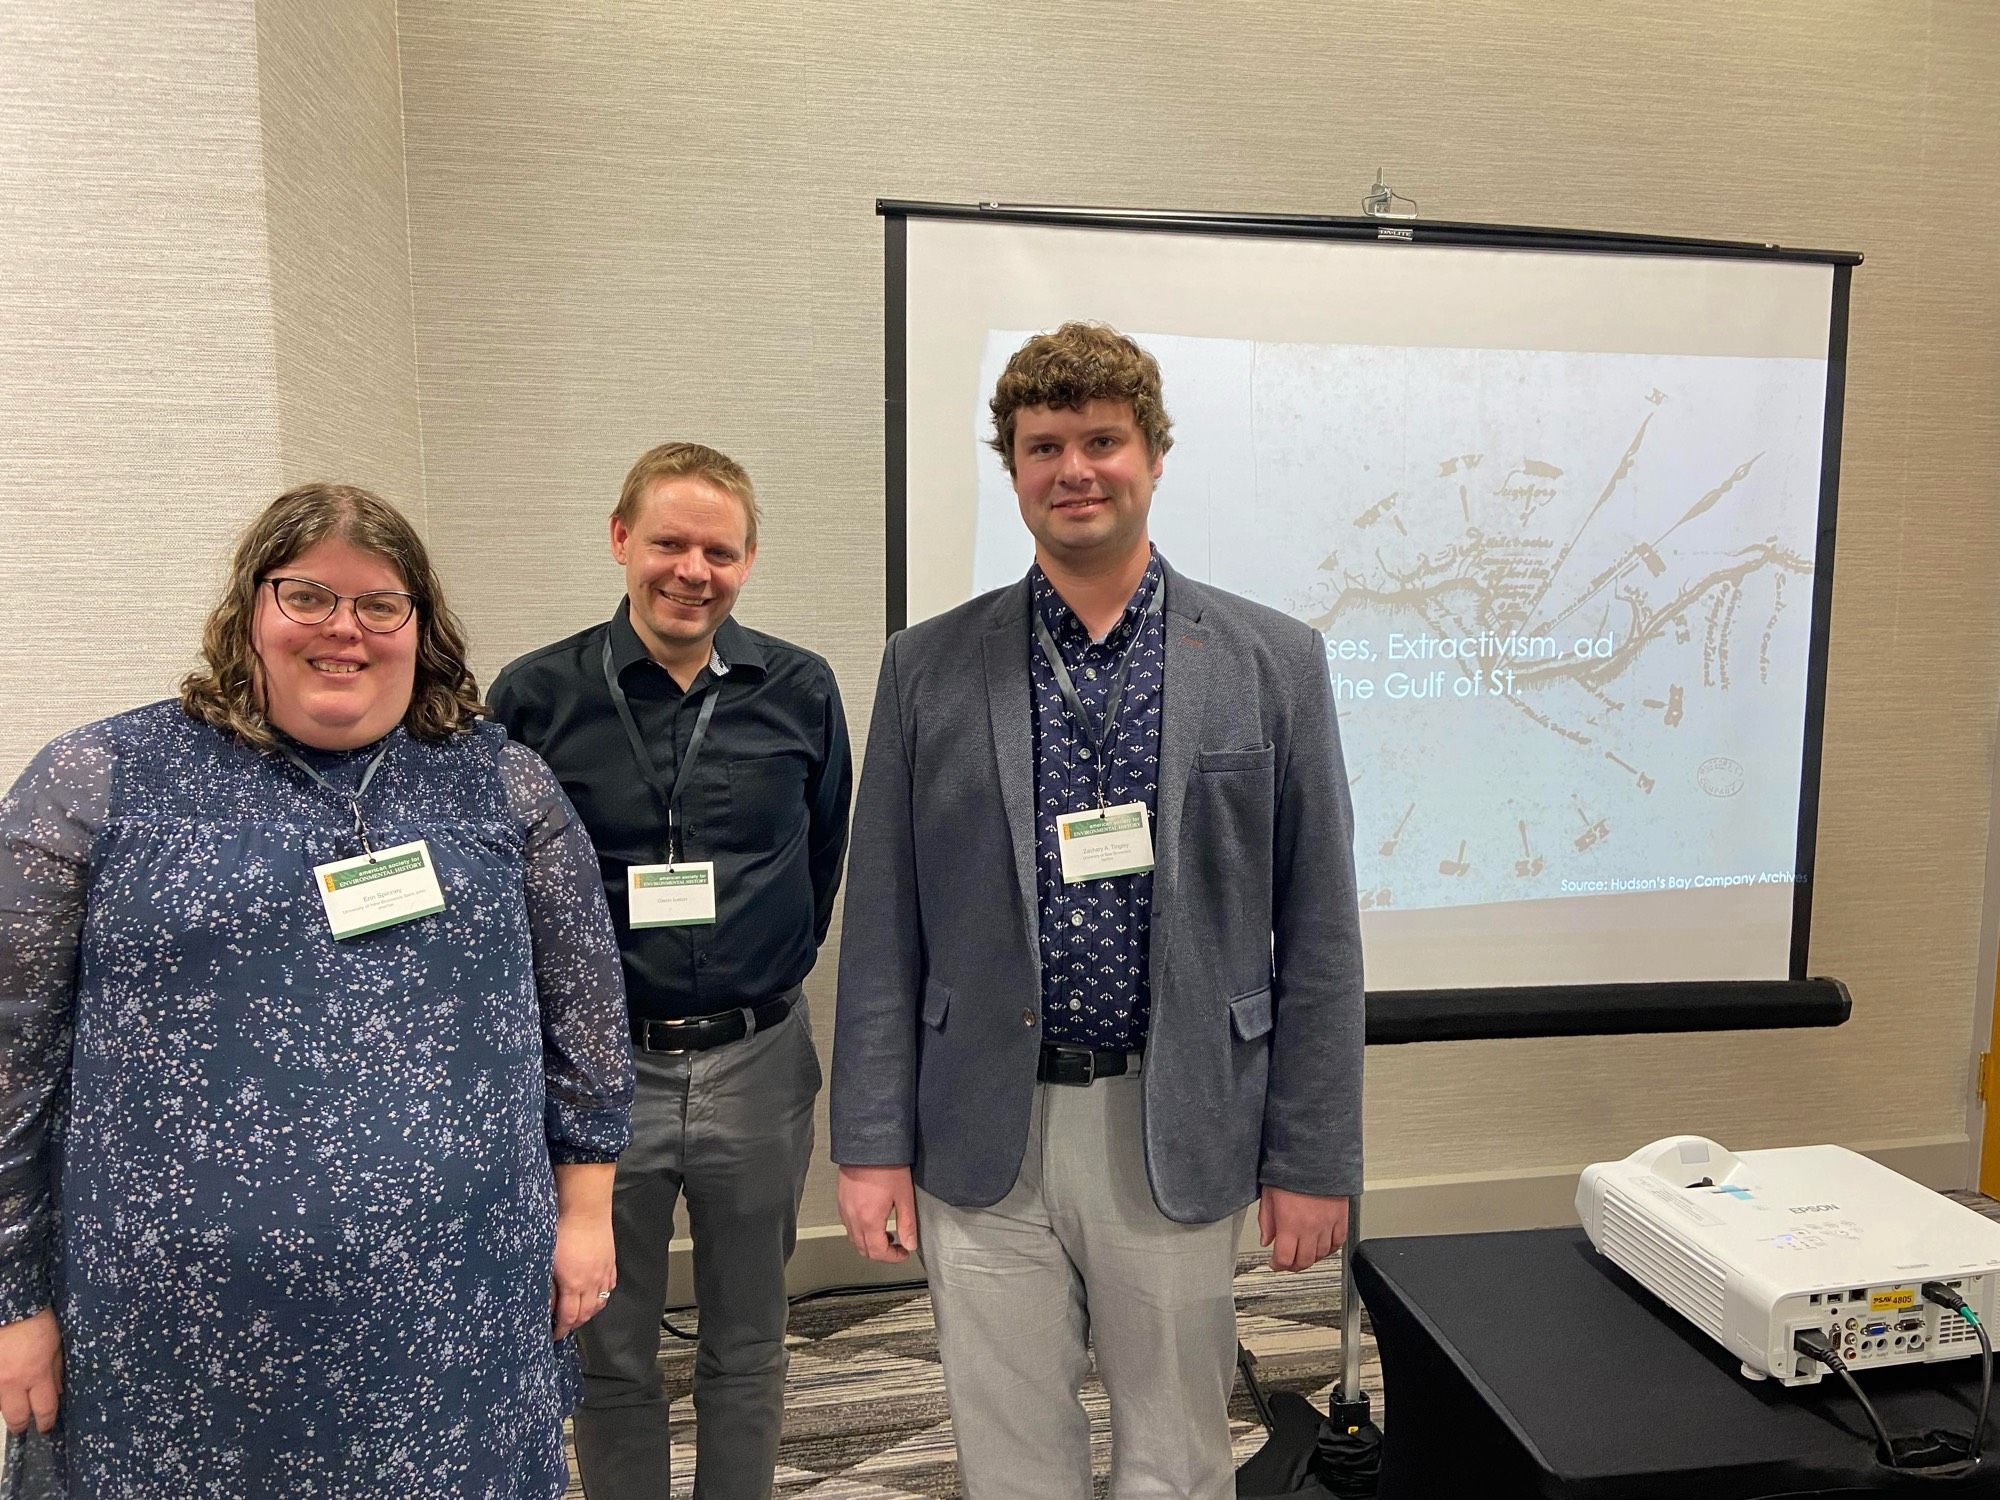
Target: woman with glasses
{"type": "Point", "coordinates": [313, 1058]}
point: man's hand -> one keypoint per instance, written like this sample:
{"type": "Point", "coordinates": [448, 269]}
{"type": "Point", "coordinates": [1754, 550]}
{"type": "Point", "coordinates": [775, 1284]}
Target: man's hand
{"type": "Point", "coordinates": [869, 1196]}
{"type": "Point", "coordinates": [1300, 1228]}
{"type": "Point", "coordinates": [31, 1371]}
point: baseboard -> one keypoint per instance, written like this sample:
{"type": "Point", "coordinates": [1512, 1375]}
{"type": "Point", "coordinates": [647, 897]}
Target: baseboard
{"type": "Point", "coordinates": [1446, 1204]}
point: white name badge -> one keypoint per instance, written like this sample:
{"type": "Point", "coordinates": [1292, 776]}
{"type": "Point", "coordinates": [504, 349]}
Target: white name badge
{"type": "Point", "coordinates": [379, 890]}
{"type": "Point", "coordinates": [1104, 842]}
{"type": "Point", "coordinates": [681, 895]}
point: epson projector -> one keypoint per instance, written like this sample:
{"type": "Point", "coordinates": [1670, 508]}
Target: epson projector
{"type": "Point", "coordinates": [1754, 1247]}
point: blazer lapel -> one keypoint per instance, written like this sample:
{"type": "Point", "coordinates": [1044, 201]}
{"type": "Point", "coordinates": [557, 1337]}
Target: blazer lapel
{"type": "Point", "coordinates": [1189, 671]}
{"type": "Point", "coordinates": [1010, 708]}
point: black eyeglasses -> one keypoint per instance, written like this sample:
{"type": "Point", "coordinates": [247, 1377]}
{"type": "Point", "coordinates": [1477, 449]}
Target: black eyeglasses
{"type": "Point", "coordinates": [379, 612]}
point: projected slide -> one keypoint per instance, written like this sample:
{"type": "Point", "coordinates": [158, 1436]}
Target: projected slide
{"type": "Point", "coordinates": [1566, 596]}
{"type": "Point", "coordinates": [1557, 515]}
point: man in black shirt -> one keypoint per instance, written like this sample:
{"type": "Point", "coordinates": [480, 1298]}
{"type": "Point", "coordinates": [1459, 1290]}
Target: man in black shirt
{"type": "Point", "coordinates": [710, 764]}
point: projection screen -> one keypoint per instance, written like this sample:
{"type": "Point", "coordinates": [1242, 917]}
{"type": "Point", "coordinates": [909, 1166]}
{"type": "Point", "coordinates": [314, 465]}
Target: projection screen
{"type": "Point", "coordinates": [1560, 505]}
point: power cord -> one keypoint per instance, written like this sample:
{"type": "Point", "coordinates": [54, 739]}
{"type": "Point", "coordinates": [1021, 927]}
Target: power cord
{"type": "Point", "coordinates": [1933, 1455]}
{"type": "Point", "coordinates": [855, 1289]}
{"type": "Point", "coordinates": [1813, 1345]}
{"type": "Point", "coordinates": [1948, 1297]}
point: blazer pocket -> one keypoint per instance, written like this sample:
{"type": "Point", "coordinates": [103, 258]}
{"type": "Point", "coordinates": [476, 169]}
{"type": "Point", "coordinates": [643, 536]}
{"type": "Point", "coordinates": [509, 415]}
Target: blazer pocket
{"type": "Point", "coordinates": [1253, 758]}
{"type": "Point", "coordinates": [1250, 1015]}
{"type": "Point", "coordinates": [937, 1001]}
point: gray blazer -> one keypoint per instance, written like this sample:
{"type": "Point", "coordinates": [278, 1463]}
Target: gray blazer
{"type": "Point", "coordinates": [1253, 1060]}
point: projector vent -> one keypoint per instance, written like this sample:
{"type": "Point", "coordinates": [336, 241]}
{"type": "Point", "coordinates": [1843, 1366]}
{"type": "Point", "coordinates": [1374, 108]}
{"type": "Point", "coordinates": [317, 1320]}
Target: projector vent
{"type": "Point", "coordinates": [1952, 1329]}
{"type": "Point", "coordinates": [1691, 1282]}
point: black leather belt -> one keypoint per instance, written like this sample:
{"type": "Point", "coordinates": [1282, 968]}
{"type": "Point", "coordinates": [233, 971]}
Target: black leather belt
{"type": "Point", "coordinates": [1079, 1065]}
{"type": "Point", "coordinates": [699, 1033]}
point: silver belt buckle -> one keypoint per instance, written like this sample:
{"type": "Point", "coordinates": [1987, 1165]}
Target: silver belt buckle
{"type": "Point", "coordinates": [669, 1021]}
{"type": "Point", "coordinates": [1065, 1055]}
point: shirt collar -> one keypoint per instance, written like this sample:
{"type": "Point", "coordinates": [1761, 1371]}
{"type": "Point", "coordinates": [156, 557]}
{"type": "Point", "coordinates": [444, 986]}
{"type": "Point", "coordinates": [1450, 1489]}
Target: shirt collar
{"type": "Point", "coordinates": [319, 757]}
{"type": "Point", "coordinates": [733, 649]}
{"type": "Point", "coordinates": [1062, 621]}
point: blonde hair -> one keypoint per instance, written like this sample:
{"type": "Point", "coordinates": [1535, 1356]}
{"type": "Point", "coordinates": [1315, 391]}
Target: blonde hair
{"type": "Point", "coordinates": [226, 690]}
{"type": "Point", "coordinates": [689, 461]}
{"type": "Point", "coordinates": [1066, 370]}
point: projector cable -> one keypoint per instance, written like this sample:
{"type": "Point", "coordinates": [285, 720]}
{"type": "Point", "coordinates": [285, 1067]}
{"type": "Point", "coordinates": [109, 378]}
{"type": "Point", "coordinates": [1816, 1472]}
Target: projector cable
{"type": "Point", "coordinates": [1814, 1346]}
{"type": "Point", "coordinates": [1932, 1455]}
{"type": "Point", "coordinates": [1948, 1297]}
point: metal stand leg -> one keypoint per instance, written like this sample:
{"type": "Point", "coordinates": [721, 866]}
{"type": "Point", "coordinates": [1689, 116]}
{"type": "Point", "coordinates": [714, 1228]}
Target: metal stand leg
{"type": "Point", "coordinates": [1349, 1457]}
{"type": "Point", "coordinates": [1349, 1408]}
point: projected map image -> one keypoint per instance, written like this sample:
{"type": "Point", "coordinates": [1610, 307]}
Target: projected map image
{"type": "Point", "coordinates": [1567, 597]}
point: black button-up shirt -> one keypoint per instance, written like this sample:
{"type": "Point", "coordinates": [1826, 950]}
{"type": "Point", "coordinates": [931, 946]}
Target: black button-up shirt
{"type": "Point", "coordinates": [767, 800]}
{"type": "Point", "coordinates": [1095, 991]}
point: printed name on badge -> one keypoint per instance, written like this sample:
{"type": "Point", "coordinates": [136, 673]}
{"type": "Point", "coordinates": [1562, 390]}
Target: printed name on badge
{"type": "Point", "coordinates": [681, 895]}
{"type": "Point", "coordinates": [1104, 842]}
{"type": "Point", "coordinates": [383, 889]}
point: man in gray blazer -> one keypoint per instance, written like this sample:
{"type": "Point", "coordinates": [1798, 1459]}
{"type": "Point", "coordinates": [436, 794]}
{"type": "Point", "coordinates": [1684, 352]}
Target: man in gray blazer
{"type": "Point", "coordinates": [1100, 984]}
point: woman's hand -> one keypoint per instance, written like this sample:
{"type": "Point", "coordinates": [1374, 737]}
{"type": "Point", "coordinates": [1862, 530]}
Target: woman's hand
{"type": "Point", "coordinates": [31, 1371]}
{"type": "Point", "coordinates": [586, 1260]}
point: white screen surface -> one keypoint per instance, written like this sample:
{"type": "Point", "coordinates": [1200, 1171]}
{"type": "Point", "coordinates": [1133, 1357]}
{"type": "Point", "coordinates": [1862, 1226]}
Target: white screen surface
{"type": "Point", "coordinates": [1554, 513]}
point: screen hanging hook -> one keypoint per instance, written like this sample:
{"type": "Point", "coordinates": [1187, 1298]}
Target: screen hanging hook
{"type": "Point", "coordinates": [1382, 200]}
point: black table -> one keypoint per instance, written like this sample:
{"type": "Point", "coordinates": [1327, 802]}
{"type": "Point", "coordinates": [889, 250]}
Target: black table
{"type": "Point", "coordinates": [1527, 1364]}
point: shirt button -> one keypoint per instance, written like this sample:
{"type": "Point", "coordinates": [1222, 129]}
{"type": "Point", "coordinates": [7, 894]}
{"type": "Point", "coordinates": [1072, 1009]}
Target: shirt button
{"type": "Point", "coordinates": [1075, 1004]}
{"type": "Point", "coordinates": [1027, 1018]}
{"type": "Point", "coordinates": [1083, 752]}
{"type": "Point", "coordinates": [701, 960]}
{"type": "Point", "coordinates": [1076, 919]}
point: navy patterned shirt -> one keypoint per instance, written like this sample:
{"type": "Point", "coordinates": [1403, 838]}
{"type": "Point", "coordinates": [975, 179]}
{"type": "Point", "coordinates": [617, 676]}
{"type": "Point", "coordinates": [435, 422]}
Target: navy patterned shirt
{"type": "Point", "coordinates": [1094, 933]}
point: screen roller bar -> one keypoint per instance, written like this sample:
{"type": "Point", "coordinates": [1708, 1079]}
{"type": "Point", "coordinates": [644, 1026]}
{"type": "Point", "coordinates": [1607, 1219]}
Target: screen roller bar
{"type": "Point", "coordinates": [1470, 1015]}
{"type": "Point", "coordinates": [1334, 226]}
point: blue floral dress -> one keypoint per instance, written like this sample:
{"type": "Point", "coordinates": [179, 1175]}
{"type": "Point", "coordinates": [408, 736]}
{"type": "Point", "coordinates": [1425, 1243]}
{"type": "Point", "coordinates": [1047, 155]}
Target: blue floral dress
{"type": "Point", "coordinates": [291, 1198]}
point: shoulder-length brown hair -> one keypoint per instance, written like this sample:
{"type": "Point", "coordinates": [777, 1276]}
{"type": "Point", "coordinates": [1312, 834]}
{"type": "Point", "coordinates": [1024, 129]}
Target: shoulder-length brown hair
{"type": "Point", "coordinates": [227, 690]}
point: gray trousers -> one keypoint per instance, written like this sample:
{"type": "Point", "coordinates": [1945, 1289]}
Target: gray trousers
{"type": "Point", "coordinates": [1077, 1257]}
{"type": "Point", "coordinates": [731, 1130]}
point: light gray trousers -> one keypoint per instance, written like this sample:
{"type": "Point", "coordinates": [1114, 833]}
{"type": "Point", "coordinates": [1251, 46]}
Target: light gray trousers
{"type": "Point", "coordinates": [730, 1129]}
{"type": "Point", "coordinates": [1077, 1257]}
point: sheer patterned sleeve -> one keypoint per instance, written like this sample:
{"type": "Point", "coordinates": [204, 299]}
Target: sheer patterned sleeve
{"type": "Point", "coordinates": [586, 1039]}
{"type": "Point", "coordinates": [49, 825]}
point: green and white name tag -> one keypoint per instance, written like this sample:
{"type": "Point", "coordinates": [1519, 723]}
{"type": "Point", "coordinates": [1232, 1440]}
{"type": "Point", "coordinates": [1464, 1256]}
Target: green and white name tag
{"type": "Point", "coordinates": [1105, 841]}
{"type": "Point", "coordinates": [373, 891]}
{"type": "Point", "coordinates": [681, 895]}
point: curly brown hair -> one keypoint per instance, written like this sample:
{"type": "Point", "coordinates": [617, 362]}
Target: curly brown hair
{"type": "Point", "coordinates": [227, 690]}
{"type": "Point", "coordinates": [1077, 364]}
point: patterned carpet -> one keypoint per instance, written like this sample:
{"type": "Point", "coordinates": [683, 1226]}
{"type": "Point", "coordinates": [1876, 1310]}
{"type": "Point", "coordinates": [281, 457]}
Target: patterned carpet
{"type": "Point", "coordinates": [865, 1411]}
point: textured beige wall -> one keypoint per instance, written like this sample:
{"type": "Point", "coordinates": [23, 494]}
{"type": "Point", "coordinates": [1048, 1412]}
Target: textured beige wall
{"type": "Point", "coordinates": [137, 418]}
{"type": "Point", "coordinates": [337, 218]}
{"type": "Point", "coordinates": [631, 222]}
{"type": "Point", "coordinates": [204, 297]}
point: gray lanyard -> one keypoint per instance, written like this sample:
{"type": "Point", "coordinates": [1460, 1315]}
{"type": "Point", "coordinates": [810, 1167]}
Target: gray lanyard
{"type": "Point", "coordinates": [669, 795]}
{"type": "Point", "coordinates": [353, 798]}
{"type": "Point", "coordinates": [1067, 687]}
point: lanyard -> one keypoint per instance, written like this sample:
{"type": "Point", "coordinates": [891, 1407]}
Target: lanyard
{"type": "Point", "coordinates": [353, 798]}
{"type": "Point", "coordinates": [670, 796]}
{"type": "Point", "coordinates": [1067, 687]}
